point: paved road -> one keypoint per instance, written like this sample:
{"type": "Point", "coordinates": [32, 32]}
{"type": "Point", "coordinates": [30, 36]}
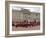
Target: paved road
{"type": "Point", "coordinates": [23, 28]}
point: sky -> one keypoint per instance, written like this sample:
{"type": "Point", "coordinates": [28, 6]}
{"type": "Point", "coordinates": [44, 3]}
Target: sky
{"type": "Point", "coordinates": [31, 8]}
